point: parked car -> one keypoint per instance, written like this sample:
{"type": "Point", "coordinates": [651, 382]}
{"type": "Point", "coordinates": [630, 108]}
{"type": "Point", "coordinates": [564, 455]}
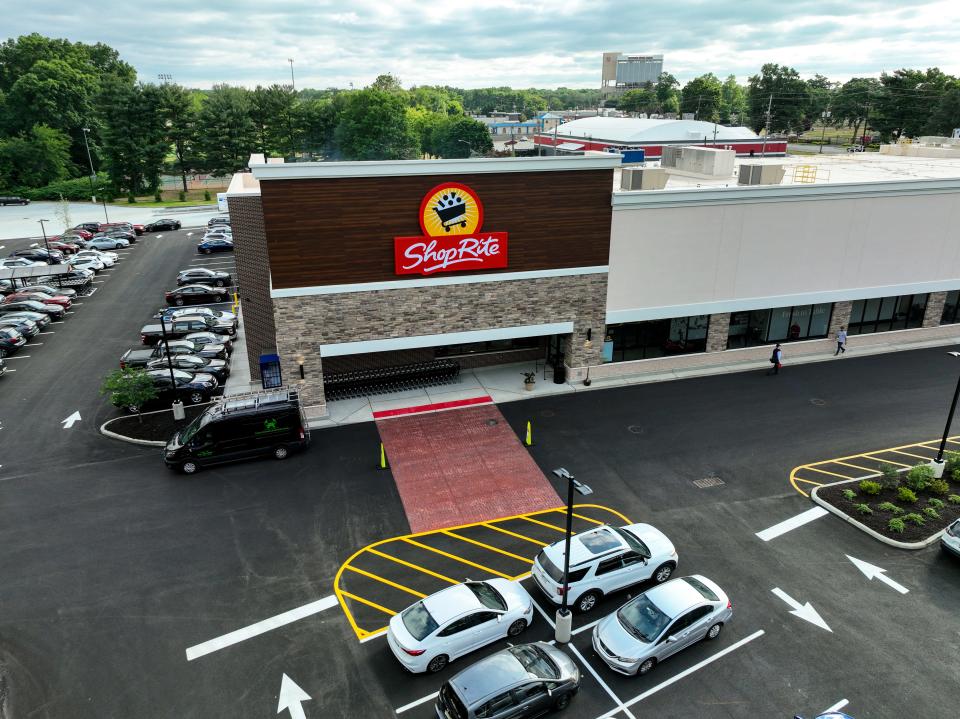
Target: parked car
{"type": "Point", "coordinates": [187, 387]}
{"type": "Point", "coordinates": [107, 259]}
{"type": "Point", "coordinates": [77, 277]}
{"type": "Point", "coordinates": [209, 338]}
{"type": "Point", "coordinates": [56, 312]}
{"type": "Point", "coordinates": [428, 635]}
{"type": "Point", "coordinates": [86, 262]}
{"type": "Point", "coordinates": [127, 226]}
{"type": "Point", "coordinates": [526, 680]}
{"type": "Point", "coordinates": [91, 227]}
{"type": "Point", "coordinates": [77, 232]}
{"type": "Point", "coordinates": [107, 243]}
{"type": "Point", "coordinates": [184, 325]}
{"type": "Point", "coordinates": [168, 312]}
{"type": "Point", "coordinates": [3, 368]}
{"type": "Point", "coordinates": [136, 357]}
{"type": "Point", "coordinates": [195, 295]}
{"type": "Point", "coordinates": [41, 319]}
{"type": "Point", "coordinates": [218, 220]}
{"type": "Point", "coordinates": [67, 248]}
{"type": "Point", "coordinates": [271, 424]}
{"type": "Point", "coordinates": [6, 287]}
{"type": "Point", "coordinates": [215, 245]}
{"type": "Point", "coordinates": [204, 276]}
{"type": "Point", "coordinates": [128, 235]}
{"type": "Point", "coordinates": [828, 715]}
{"type": "Point", "coordinates": [602, 561]}
{"type": "Point", "coordinates": [50, 290]}
{"type": "Point", "coordinates": [10, 341]}
{"type": "Point", "coordinates": [28, 328]}
{"type": "Point", "coordinates": [950, 539]}
{"type": "Point", "coordinates": [20, 262]}
{"type": "Point", "coordinates": [162, 224]}
{"type": "Point", "coordinates": [38, 254]}
{"type": "Point", "coordinates": [192, 363]}
{"type": "Point", "coordinates": [61, 300]}
{"type": "Point", "coordinates": [660, 622]}
{"type": "Point", "coordinates": [14, 201]}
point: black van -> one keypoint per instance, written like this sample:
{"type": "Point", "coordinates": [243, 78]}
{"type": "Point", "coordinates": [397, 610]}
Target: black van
{"type": "Point", "coordinates": [237, 428]}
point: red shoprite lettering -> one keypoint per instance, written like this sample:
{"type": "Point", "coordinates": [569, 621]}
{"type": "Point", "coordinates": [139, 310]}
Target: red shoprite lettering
{"type": "Point", "coordinates": [428, 255]}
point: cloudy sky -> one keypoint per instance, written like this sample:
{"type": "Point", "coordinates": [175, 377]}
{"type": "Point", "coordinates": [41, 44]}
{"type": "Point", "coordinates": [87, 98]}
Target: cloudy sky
{"type": "Point", "coordinates": [520, 43]}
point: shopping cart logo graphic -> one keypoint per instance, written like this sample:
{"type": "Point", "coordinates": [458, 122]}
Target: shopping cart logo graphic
{"type": "Point", "coordinates": [451, 217]}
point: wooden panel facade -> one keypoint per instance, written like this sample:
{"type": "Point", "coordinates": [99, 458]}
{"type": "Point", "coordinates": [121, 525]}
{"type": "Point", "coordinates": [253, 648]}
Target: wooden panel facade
{"type": "Point", "coordinates": [329, 231]}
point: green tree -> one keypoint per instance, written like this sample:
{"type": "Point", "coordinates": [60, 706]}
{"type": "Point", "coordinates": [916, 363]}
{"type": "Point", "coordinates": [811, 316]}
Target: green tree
{"type": "Point", "coordinates": [317, 121]}
{"type": "Point", "coordinates": [387, 83]}
{"type": "Point", "coordinates": [642, 99]}
{"type": "Point", "coordinates": [435, 99]}
{"type": "Point", "coordinates": [179, 109]}
{"type": "Point", "coordinates": [227, 133]}
{"type": "Point", "coordinates": [702, 96]}
{"type": "Point", "coordinates": [851, 103]}
{"type": "Point", "coordinates": [668, 96]}
{"type": "Point", "coordinates": [733, 101]}
{"type": "Point", "coordinates": [130, 388]}
{"type": "Point", "coordinates": [461, 137]}
{"type": "Point", "coordinates": [374, 126]}
{"type": "Point", "coordinates": [903, 107]}
{"type": "Point", "coordinates": [780, 88]}
{"type": "Point", "coordinates": [822, 92]}
{"type": "Point", "coordinates": [35, 158]}
{"type": "Point", "coordinates": [946, 115]}
{"type": "Point", "coordinates": [133, 135]}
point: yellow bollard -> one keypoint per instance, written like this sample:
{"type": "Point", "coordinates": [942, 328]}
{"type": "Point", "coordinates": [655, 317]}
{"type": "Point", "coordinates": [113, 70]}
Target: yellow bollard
{"type": "Point", "coordinates": [529, 440]}
{"type": "Point", "coordinates": [383, 458]}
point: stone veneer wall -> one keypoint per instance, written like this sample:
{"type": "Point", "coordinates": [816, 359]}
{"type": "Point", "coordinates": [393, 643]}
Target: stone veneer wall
{"type": "Point", "coordinates": [934, 310]}
{"type": "Point", "coordinates": [253, 278]}
{"type": "Point", "coordinates": [307, 322]}
{"type": "Point", "coordinates": [840, 317]}
{"type": "Point", "coordinates": [717, 332]}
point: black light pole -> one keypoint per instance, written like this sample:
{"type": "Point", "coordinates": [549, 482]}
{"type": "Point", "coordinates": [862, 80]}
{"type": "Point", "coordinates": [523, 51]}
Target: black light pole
{"type": "Point", "coordinates": [946, 430]}
{"type": "Point", "coordinates": [93, 176]}
{"type": "Point", "coordinates": [564, 622]}
{"type": "Point", "coordinates": [177, 404]}
{"type": "Point", "coordinates": [44, 231]}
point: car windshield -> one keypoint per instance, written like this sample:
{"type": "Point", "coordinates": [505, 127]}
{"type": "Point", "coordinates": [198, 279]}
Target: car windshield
{"type": "Point", "coordinates": [704, 590]}
{"type": "Point", "coordinates": [451, 704]}
{"type": "Point", "coordinates": [634, 542]}
{"type": "Point", "coordinates": [487, 595]}
{"type": "Point", "coordinates": [191, 429]}
{"type": "Point", "coordinates": [552, 570]}
{"type": "Point", "coordinates": [418, 621]}
{"type": "Point", "coordinates": [535, 661]}
{"type": "Point", "coordinates": [643, 619]}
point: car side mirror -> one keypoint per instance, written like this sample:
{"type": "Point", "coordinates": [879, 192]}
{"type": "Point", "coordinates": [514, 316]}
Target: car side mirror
{"type": "Point", "coordinates": [499, 618]}
{"type": "Point", "coordinates": [672, 638]}
{"type": "Point", "coordinates": [549, 692]}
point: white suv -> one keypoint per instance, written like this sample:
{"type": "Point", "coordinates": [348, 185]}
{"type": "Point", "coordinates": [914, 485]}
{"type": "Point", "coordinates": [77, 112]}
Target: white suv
{"type": "Point", "coordinates": [604, 560]}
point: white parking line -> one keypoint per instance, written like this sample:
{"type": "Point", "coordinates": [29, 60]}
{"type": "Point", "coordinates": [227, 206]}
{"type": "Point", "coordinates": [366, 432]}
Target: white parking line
{"type": "Point", "coordinates": [585, 627]}
{"type": "Point", "coordinates": [35, 344]}
{"type": "Point", "coordinates": [253, 630]}
{"type": "Point", "coordinates": [19, 357]}
{"type": "Point", "coordinates": [621, 707]}
{"type": "Point", "coordinates": [789, 524]}
{"type": "Point", "coordinates": [417, 703]}
{"type": "Point", "coordinates": [837, 707]}
{"type": "Point", "coordinates": [686, 672]}
{"type": "Point", "coordinates": [9, 370]}
{"type": "Point", "coordinates": [77, 304]}
{"type": "Point", "coordinates": [45, 333]}
{"type": "Point", "coordinates": [69, 312]}
{"type": "Point", "coordinates": [98, 282]}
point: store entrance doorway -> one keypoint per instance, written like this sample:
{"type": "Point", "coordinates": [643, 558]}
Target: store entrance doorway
{"type": "Point", "coordinates": [555, 358]}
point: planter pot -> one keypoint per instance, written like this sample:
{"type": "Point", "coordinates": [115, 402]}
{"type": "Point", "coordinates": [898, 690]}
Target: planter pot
{"type": "Point", "coordinates": [528, 386]}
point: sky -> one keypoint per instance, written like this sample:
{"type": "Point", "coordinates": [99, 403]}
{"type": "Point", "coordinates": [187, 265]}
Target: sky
{"type": "Point", "coordinates": [521, 44]}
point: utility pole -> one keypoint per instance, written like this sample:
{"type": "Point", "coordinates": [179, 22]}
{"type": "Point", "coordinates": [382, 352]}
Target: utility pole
{"type": "Point", "coordinates": [93, 175]}
{"type": "Point", "coordinates": [823, 118]}
{"type": "Point", "coordinates": [863, 135]}
{"type": "Point", "coordinates": [766, 130]}
{"type": "Point", "coordinates": [293, 85]}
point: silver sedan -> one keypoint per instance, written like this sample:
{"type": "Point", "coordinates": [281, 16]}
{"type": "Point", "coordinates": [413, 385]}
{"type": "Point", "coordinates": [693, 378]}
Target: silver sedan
{"type": "Point", "coordinates": [661, 622]}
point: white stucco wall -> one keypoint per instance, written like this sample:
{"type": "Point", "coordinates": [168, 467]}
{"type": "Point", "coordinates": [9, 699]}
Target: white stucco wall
{"type": "Point", "coordinates": [679, 253]}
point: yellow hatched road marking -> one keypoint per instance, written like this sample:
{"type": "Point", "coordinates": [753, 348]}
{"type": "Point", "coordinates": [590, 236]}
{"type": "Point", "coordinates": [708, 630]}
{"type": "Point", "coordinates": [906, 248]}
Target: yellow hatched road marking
{"type": "Point", "coordinates": [544, 524]}
{"type": "Point", "coordinates": [911, 454]}
{"type": "Point", "coordinates": [888, 461]}
{"type": "Point", "coordinates": [367, 602]}
{"type": "Point", "coordinates": [525, 560]}
{"type": "Point", "coordinates": [413, 566]}
{"type": "Point", "coordinates": [377, 577]}
{"type": "Point", "coordinates": [841, 476]}
{"type": "Point", "coordinates": [809, 481]}
{"type": "Point", "coordinates": [580, 516]}
{"type": "Point", "coordinates": [857, 466]}
{"type": "Point", "coordinates": [415, 543]}
{"type": "Point", "coordinates": [512, 534]}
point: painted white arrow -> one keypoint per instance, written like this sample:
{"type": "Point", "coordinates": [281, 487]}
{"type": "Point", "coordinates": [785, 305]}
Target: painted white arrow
{"type": "Point", "coordinates": [291, 698]}
{"type": "Point", "coordinates": [804, 611]}
{"type": "Point", "coordinates": [872, 572]}
{"type": "Point", "coordinates": [71, 420]}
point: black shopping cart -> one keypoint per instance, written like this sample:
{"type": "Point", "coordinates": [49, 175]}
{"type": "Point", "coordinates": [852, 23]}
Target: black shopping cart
{"type": "Point", "coordinates": [452, 215]}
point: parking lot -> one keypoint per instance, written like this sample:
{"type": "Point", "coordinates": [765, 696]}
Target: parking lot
{"type": "Point", "coordinates": [131, 591]}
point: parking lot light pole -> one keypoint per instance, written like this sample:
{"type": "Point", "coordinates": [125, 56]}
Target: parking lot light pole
{"type": "Point", "coordinates": [93, 175]}
{"type": "Point", "coordinates": [938, 463]}
{"type": "Point", "coordinates": [44, 231]}
{"type": "Point", "coordinates": [564, 625]}
{"type": "Point", "coordinates": [177, 407]}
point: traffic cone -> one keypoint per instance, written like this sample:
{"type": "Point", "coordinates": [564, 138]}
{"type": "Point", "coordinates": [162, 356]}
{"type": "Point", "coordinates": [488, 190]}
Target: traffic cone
{"type": "Point", "coordinates": [529, 438]}
{"type": "Point", "coordinates": [383, 458]}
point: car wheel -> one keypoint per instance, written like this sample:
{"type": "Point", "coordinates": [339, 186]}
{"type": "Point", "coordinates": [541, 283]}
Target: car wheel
{"type": "Point", "coordinates": [663, 573]}
{"type": "Point", "coordinates": [179, 302]}
{"type": "Point", "coordinates": [219, 283]}
{"type": "Point", "coordinates": [189, 467]}
{"type": "Point", "coordinates": [714, 631]}
{"type": "Point", "coordinates": [587, 601]}
{"type": "Point", "coordinates": [647, 665]}
{"type": "Point", "coordinates": [517, 627]}
{"type": "Point", "coordinates": [197, 397]}
{"type": "Point", "coordinates": [207, 251]}
{"type": "Point", "coordinates": [438, 663]}
{"type": "Point", "coordinates": [280, 452]}
{"type": "Point", "coordinates": [562, 702]}
{"type": "Point", "coordinates": [3, 352]}
{"type": "Point", "coordinates": [118, 246]}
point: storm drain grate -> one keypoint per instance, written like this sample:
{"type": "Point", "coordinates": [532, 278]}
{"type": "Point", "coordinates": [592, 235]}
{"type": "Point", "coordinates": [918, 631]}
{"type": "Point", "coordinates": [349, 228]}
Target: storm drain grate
{"type": "Point", "coordinates": [708, 482]}
{"type": "Point", "coordinates": [817, 402]}
{"type": "Point", "coordinates": [492, 423]}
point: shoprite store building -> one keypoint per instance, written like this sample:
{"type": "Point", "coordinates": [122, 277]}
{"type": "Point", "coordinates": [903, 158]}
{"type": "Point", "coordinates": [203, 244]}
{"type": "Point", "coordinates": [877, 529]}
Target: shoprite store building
{"type": "Point", "coordinates": [345, 266]}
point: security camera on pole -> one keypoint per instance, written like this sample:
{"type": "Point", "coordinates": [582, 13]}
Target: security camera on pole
{"type": "Point", "coordinates": [564, 626]}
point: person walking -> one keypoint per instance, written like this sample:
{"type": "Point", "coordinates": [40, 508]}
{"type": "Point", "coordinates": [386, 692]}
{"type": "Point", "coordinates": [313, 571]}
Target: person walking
{"type": "Point", "coordinates": [841, 341]}
{"type": "Point", "coordinates": [775, 359]}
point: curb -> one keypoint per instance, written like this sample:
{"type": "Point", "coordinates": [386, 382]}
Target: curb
{"type": "Point", "coordinates": [876, 535]}
{"type": "Point", "coordinates": [124, 438]}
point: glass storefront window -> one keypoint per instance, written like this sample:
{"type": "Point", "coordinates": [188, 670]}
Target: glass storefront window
{"type": "Point", "coordinates": [658, 338]}
{"type": "Point", "coordinates": [885, 314]}
{"type": "Point", "coordinates": [474, 348]}
{"type": "Point", "coordinates": [950, 308]}
{"type": "Point", "coordinates": [782, 324]}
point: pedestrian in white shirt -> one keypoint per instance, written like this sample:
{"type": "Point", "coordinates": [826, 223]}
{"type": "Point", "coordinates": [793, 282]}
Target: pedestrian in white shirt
{"type": "Point", "coordinates": [776, 359]}
{"type": "Point", "coordinates": [841, 341]}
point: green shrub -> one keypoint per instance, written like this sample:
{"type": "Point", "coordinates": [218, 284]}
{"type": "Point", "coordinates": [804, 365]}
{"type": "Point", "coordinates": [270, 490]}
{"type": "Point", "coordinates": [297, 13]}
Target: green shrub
{"type": "Point", "coordinates": [896, 525]}
{"type": "Point", "coordinates": [206, 195]}
{"type": "Point", "coordinates": [954, 499]}
{"type": "Point", "coordinates": [931, 512]}
{"type": "Point", "coordinates": [889, 476]}
{"type": "Point", "coordinates": [848, 494]}
{"type": "Point", "coordinates": [131, 198]}
{"type": "Point", "coordinates": [915, 518]}
{"type": "Point", "coordinates": [939, 486]}
{"type": "Point", "coordinates": [919, 477]}
{"type": "Point", "coordinates": [863, 508]}
{"type": "Point", "coordinates": [157, 196]}
{"type": "Point", "coordinates": [889, 507]}
{"type": "Point", "coordinates": [183, 196]}
{"type": "Point", "coordinates": [76, 189]}
{"type": "Point", "coordinates": [870, 487]}
{"type": "Point", "coordinates": [952, 465]}
{"type": "Point", "coordinates": [935, 503]}
{"type": "Point", "coordinates": [906, 495]}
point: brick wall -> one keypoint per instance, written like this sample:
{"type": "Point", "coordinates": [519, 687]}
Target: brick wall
{"type": "Point", "coordinates": [717, 332]}
{"type": "Point", "coordinates": [934, 310]}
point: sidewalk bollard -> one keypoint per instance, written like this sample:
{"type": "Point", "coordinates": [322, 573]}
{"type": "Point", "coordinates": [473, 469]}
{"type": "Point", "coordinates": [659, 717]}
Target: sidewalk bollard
{"type": "Point", "coordinates": [529, 438]}
{"type": "Point", "coordinates": [383, 458]}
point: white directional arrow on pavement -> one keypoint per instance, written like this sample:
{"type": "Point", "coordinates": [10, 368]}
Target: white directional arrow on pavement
{"type": "Point", "coordinates": [804, 611]}
{"type": "Point", "coordinates": [291, 698]}
{"type": "Point", "coordinates": [872, 572]}
{"type": "Point", "coordinates": [71, 420]}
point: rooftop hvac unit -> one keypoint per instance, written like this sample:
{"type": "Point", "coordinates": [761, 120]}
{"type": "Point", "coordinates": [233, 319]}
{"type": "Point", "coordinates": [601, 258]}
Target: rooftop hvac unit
{"type": "Point", "coordinates": [669, 156]}
{"type": "Point", "coordinates": [760, 174]}
{"type": "Point", "coordinates": [643, 178]}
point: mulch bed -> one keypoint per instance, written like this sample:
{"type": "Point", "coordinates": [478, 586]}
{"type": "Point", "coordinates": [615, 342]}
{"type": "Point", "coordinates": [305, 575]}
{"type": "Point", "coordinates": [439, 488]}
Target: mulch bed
{"type": "Point", "coordinates": [156, 426]}
{"type": "Point", "coordinates": [878, 520]}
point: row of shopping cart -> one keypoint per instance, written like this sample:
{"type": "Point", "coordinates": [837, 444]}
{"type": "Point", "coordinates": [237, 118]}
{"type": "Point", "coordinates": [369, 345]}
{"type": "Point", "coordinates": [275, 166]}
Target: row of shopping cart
{"type": "Point", "coordinates": [381, 380]}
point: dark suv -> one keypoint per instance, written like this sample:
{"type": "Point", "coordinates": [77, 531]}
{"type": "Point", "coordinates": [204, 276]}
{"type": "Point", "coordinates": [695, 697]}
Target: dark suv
{"type": "Point", "coordinates": [14, 201]}
{"type": "Point", "coordinates": [187, 387]}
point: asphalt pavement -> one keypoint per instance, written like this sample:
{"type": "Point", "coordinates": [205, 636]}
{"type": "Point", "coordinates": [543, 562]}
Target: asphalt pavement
{"type": "Point", "coordinates": [115, 567]}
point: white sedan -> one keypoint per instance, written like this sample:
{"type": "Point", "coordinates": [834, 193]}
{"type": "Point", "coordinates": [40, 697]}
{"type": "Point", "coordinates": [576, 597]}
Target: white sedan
{"type": "Point", "coordinates": [85, 263]}
{"type": "Point", "coordinates": [457, 620]}
{"type": "Point", "coordinates": [20, 262]}
{"type": "Point", "coordinates": [108, 259]}
{"type": "Point", "coordinates": [107, 243]}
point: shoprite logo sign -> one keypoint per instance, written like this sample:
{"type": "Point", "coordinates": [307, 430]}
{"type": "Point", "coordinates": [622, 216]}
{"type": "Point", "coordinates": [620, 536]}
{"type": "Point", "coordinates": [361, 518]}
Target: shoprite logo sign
{"type": "Point", "coordinates": [451, 217]}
